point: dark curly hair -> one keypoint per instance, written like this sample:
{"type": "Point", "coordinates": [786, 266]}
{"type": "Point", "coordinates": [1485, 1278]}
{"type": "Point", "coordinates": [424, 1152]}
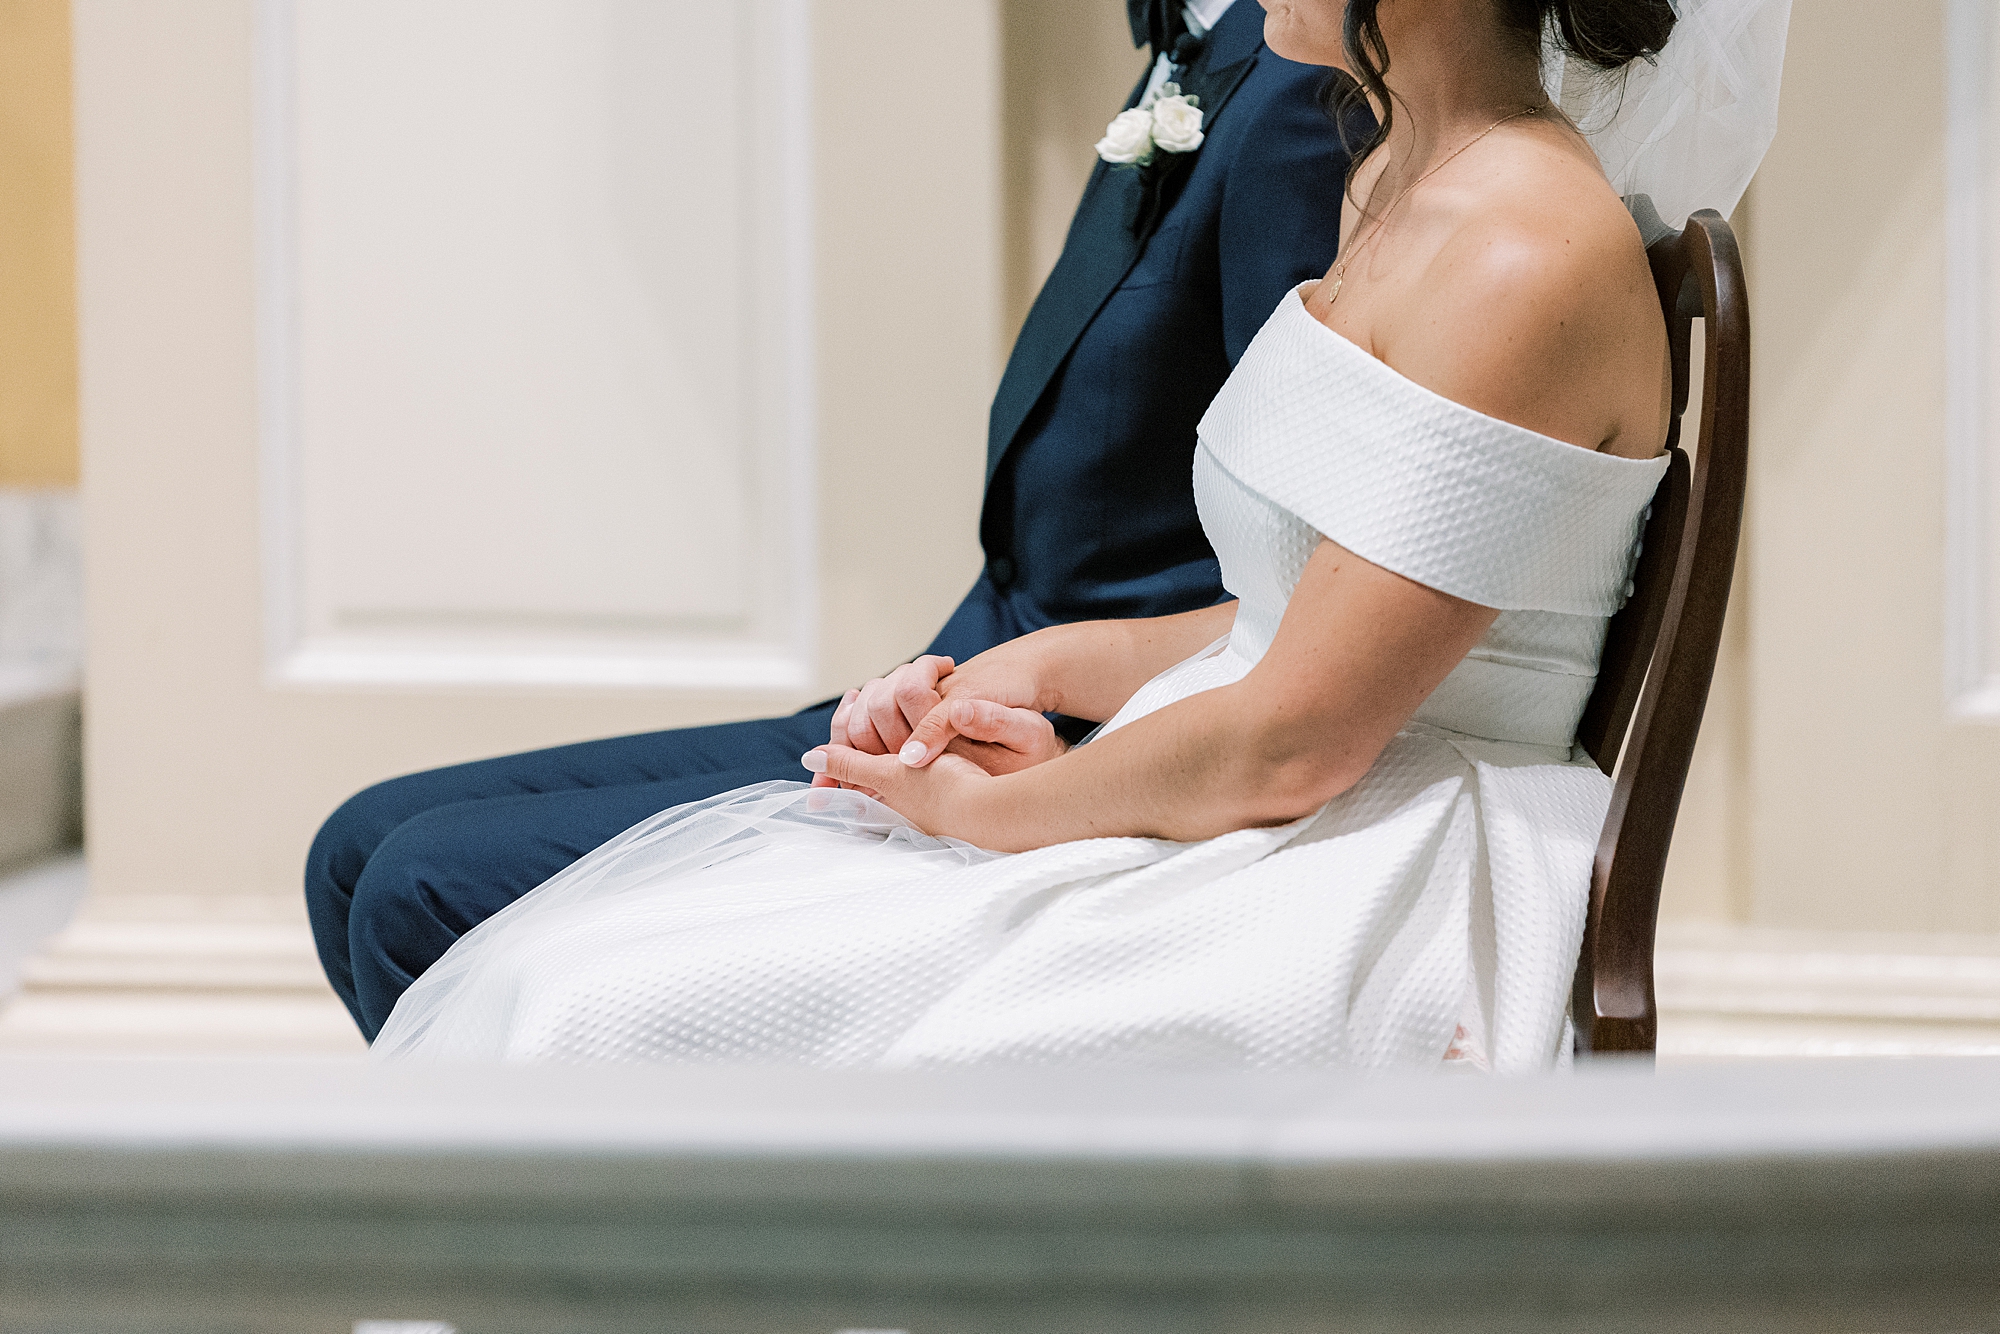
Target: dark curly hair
{"type": "Point", "coordinates": [1609, 34]}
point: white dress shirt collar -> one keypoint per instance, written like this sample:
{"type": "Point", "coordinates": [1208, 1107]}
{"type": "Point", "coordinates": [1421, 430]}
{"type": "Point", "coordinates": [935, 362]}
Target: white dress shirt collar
{"type": "Point", "coordinates": [1203, 15]}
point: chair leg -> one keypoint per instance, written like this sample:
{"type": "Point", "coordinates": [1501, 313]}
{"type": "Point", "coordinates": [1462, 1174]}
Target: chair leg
{"type": "Point", "coordinates": [1608, 1036]}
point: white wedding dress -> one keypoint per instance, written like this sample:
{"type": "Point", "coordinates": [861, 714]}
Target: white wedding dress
{"type": "Point", "coordinates": [1445, 891]}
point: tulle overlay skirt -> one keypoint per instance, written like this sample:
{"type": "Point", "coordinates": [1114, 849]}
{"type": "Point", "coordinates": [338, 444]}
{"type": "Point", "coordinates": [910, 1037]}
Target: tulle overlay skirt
{"type": "Point", "coordinates": [782, 923]}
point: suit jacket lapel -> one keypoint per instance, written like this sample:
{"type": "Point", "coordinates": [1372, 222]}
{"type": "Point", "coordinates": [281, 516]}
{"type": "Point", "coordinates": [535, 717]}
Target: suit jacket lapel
{"type": "Point", "coordinates": [1212, 85]}
{"type": "Point", "coordinates": [1120, 211]}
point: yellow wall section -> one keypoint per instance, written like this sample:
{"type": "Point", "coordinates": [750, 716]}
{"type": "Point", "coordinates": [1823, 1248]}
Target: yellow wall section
{"type": "Point", "coordinates": [38, 402]}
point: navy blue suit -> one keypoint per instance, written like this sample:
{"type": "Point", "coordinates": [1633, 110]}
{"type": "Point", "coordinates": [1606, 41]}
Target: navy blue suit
{"type": "Point", "coordinates": [1090, 447]}
{"type": "Point", "coordinates": [1166, 275]}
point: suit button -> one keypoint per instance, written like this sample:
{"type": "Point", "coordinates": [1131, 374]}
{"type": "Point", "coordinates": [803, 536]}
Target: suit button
{"type": "Point", "coordinates": [1001, 571]}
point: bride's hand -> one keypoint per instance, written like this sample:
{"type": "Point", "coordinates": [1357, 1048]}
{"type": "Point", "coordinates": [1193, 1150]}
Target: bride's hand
{"type": "Point", "coordinates": [936, 798]}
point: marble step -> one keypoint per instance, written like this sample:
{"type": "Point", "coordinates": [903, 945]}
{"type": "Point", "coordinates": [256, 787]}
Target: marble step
{"type": "Point", "coordinates": [41, 647]}
{"type": "Point", "coordinates": [41, 763]}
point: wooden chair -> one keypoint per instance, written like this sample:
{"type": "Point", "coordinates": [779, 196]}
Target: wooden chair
{"type": "Point", "coordinates": [1659, 653]}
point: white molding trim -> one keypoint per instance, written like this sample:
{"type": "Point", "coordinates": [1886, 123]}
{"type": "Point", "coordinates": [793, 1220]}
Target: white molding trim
{"type": "Point", "coordinates": [1741, 991]}
{"type": "Point", "coordinates": [154, 974]}
{"type": "Point", "coordinates": [296, 657]}
{"type": "Point", "coordinates": [317, 663]}
{"type": "Point", "coordinates": [792, 49]}
{"type": "Point", "coordinates": [1972, 678]}
{"type": "Point", "coordinates": [273, 129]}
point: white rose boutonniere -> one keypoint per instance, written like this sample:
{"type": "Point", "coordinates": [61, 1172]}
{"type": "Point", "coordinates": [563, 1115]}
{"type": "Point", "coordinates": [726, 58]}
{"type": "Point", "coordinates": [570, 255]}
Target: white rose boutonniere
{"type": "Point", "coordinates": [1171, 121]}
{"type": "Point", "coordinates": [1128, 138]}
{"type": "Point", "coordinates": [1177, 121]}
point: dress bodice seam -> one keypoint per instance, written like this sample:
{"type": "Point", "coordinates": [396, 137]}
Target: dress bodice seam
{"type": "Point", "coordinates": [1501, 658]}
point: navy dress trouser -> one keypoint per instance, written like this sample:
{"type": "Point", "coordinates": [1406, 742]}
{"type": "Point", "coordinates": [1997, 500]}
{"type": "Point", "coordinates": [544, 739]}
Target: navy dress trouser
{"type": "Point", "coordinates": [406, 867]}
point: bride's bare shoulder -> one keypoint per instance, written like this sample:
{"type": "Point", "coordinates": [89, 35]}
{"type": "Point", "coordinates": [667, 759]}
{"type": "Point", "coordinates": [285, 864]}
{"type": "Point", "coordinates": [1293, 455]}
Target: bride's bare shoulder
{"type": "Point", "coordinates": [1538, 224]}
{"type": "Point", "coordinates": [1538, 307]}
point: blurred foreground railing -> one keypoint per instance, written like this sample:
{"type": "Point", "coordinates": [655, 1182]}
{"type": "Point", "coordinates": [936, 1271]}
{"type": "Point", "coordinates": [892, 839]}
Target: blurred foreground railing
{"type": "Point", "coordinates": [281, 1196]}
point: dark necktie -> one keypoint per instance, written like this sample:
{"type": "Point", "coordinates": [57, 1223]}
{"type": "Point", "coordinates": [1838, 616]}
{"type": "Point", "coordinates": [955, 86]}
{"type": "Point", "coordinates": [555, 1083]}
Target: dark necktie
{"type": "Point", "coordinates": [1156, 23]}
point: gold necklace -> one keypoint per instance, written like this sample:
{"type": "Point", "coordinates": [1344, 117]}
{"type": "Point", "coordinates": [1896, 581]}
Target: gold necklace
{"type": "Point", "coordinates": [1340, 268]}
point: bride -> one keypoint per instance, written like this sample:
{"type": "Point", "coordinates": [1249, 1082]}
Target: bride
{"type": "Point", "coordinates": [1340, 821]}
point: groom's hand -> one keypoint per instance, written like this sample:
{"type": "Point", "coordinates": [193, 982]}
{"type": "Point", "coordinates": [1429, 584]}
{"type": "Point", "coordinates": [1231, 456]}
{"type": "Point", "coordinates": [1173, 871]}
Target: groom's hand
{"type": "Point", "coordinates": [878, 718]}
{"type": "Point", "coordinates": [997, 738]}
{"type": "Point", "coordinates": [995, 696]}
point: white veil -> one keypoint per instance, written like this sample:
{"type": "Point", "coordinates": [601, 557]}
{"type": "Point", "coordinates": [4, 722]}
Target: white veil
{"type": "Point", "coordinates": [1690, 128]}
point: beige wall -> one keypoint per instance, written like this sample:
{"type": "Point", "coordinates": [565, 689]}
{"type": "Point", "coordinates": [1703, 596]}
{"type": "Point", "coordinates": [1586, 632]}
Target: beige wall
{"type": "Point", "coordinates": [1871, 808]}
{"type": "Point", "coordinates": [1834, 792]}
{"type": "Point", "coordinates": [204, 777]}
{"type": "Point", "coordinates": [37, 248]}
{"type": "Point", "coordinates": [1068, 66]}
{"type": "Point", "coordinates": [1830, 789]}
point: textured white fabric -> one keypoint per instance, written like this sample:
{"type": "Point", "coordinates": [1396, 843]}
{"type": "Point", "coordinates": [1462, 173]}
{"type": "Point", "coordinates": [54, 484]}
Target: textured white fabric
{"type": "Point", "coordinates": [784, 923]}
{"type": "Point", "coordinates": [1482, 509]}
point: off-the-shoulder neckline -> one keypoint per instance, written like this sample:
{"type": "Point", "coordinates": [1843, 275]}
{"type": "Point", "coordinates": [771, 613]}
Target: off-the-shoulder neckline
{"type": "Point", "coordinates": [1296, 298]}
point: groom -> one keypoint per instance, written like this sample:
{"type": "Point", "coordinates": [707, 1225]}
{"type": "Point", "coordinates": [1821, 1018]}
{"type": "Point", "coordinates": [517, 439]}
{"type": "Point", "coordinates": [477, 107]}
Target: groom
{"type": "Point", "coordinates": [1169, 269]}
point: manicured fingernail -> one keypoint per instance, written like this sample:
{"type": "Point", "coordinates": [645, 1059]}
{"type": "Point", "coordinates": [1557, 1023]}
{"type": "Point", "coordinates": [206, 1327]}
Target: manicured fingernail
{"type": "Point", "coordinates": [913, 753]}
{"type": "Point", "coordinates": [814, 761]}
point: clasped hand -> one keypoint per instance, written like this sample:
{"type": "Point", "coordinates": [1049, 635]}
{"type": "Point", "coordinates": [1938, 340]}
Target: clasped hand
{"type": "Point", "coordinates": [917, 738]}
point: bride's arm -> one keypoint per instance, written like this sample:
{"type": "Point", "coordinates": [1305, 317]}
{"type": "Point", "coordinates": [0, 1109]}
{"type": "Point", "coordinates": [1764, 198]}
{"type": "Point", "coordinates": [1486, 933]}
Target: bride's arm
{"type": "Point", "coordinates": [1087, 670]}
{"type": "Point", "coordinates": [1542, 317]}
{"type": "Point", "coordinates": [1358, 650]}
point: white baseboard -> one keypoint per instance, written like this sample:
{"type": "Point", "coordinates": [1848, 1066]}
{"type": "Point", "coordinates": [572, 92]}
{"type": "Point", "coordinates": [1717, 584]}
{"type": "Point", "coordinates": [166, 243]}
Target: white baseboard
{"type": "Point", "coordinates": [163, 975]}
{"type": "Point", "coordinates": [166, 975]}
{"type": "Point", "coordinates": [1730, 991]}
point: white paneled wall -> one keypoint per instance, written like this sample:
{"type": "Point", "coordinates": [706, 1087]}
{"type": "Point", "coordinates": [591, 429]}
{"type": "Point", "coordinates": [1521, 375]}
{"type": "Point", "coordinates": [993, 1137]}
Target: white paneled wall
{"type": "Point", "coordinates": [535, 341]}
{"type": "Point", "coordinates": [461, 378]}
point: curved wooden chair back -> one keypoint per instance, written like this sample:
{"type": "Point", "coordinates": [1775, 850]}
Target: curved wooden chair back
{"type": "Point", "coordinates": [1659, 653]}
